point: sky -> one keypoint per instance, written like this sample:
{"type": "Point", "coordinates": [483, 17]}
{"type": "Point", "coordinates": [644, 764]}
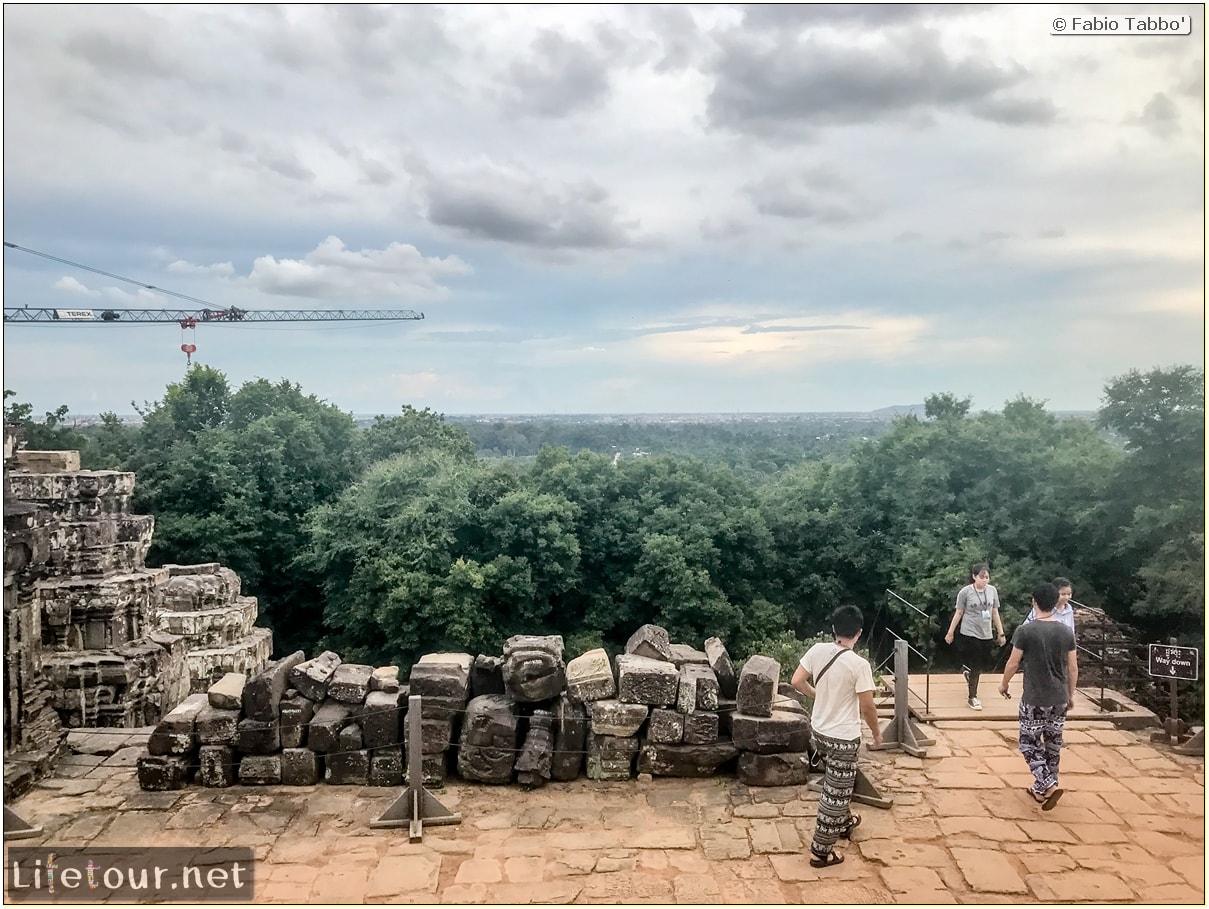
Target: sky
{"type": "Point", "coordinates": [607, 209]}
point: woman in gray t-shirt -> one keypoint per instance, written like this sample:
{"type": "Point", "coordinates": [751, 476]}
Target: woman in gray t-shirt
{"type": "Point", "coordinates": [970, 632]}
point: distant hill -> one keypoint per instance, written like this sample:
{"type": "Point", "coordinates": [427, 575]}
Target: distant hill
{"type": "Point", "coordinates": [895, 409]}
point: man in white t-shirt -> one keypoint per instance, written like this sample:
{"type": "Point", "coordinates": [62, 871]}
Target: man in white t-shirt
{"type": "Point", "coordinates": [841, 683]}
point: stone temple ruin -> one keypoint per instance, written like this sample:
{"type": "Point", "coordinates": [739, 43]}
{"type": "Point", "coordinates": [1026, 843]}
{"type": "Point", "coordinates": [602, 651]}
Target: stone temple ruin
{"type": "Point", "coordinates": [94, 638]}
{"type": "Point", "coordinates": [526, 716]}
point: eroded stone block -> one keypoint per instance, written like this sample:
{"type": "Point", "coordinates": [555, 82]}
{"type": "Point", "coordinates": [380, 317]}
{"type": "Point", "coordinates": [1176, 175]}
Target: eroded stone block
{"type": "Point", "coordinates": [666, 727]}
{"type": "Point", "coordinates": [300, 767]}
{"type": "Point", "coordinates": [614, 718]}
{"type": "Point", "coordinates": [724, 669]}
{"type": "Point", "coordinates": [260, 770]}
{"type": "Point", "coordinates": [643, 680]}
{"type": "Point", "coordinates": [590, 677]}
{"type": "Point", "coordinates": [757, 685]}
{"type": "Point", "coordinates": [218, 769]}
{"type": "Point", "coordinates": [650, 641]}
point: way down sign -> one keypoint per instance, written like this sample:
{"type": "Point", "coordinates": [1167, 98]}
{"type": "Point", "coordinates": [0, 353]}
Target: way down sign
{"type": "Point", "coordinates": [1167, 662]}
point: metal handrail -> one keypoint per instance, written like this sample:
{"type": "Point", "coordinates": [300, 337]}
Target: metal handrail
{"type": "Point", "coordinates": [927, 698]}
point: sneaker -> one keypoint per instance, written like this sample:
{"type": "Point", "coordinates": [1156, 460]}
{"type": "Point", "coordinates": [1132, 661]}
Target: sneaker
{"type": "Point", "coordinates": [975, 704]}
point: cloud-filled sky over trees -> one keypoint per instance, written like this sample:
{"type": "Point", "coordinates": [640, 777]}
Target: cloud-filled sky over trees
{"type": "Point", "coordinates": [607, 209]}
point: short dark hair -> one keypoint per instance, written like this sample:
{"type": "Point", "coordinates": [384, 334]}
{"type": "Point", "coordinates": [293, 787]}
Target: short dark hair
{"type": "Point", "coordinates": [1062, 582]}
{"type": "Point", "coordinates": [1045, 595]}
{"type": "Point", "coordinates": [978, 568]}
{"type": "Point", "coordinates": [846, 621]}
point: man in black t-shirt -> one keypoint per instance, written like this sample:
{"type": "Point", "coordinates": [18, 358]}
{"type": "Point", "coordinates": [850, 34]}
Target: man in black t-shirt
{"type": "Point", "coordinates": [1046, 648]}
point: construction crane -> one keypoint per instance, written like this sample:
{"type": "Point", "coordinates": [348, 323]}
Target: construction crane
{"type": "Point", "coordinates": [198, 316]}
{"type": "Point", "coordinates": [189, 319]}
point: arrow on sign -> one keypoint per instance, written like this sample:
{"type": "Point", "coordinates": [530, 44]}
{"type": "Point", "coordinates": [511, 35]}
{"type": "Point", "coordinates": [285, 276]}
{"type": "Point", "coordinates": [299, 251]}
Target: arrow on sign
{"type": "Point", "coordinates": [1173, 670]}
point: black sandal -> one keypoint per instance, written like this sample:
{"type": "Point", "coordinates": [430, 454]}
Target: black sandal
{"type": "Point", "coordinates": [824, 861]}
{"type": "Point", "coordinates": [852, 825]}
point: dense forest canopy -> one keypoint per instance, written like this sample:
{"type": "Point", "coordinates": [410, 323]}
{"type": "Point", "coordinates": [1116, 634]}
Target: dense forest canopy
{"type": "Point", "coordinates": [389, 541]}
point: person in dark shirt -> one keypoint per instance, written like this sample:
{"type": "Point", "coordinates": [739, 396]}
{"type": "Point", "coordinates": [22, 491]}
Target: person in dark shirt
{"type": "Point", "coordinates": [1046, 650]}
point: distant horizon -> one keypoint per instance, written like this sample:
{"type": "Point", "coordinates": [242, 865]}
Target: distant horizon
{"type": "Point", "coordinates": [888, 411]}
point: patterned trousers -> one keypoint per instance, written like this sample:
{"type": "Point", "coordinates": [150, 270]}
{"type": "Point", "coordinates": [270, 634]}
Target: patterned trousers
{"type": "Point", "coordinates": [839, 779]}
{"type": "Point", "coordinates": [1041, 742]}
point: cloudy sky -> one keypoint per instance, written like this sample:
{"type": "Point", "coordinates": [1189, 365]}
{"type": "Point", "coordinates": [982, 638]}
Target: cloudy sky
{"type": "Point", "coordinates": [607, 209]}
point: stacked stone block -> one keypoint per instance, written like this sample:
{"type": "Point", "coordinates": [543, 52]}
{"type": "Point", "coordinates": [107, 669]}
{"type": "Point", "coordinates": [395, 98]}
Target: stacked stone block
{"type": "Point", "coordinates": [299, 721]}
{"type": "Point", "coordinates": [771, 731]}
{"type": "Point", "coordinates": [202, 605]}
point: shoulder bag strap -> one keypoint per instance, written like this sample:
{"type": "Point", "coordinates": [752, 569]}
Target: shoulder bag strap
{"type": "Point", "coordinates": [842, 650]}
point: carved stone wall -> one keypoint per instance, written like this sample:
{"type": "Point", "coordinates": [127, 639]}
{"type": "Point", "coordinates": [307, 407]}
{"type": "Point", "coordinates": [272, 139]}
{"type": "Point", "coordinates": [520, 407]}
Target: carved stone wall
{"type": "Point", "coordinates": [88, 631]}
{"type": "Point", "coordinates": [202, 605]}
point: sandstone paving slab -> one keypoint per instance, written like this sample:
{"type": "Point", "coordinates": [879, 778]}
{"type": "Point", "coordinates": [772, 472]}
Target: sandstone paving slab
{"type": "Point", "coordinates": [1141, 877]}
{"type": "Point", "coordinates": [842, 892]}
{"type": "Point", "coordinates": [335, 884]}
{"type": "Point", "coordinates": [664, 838]}
{"type": "Point", "coordinates": [1163, 846]}
{"type": "Point", "coordinates": [953, 803]}
{"type": "Point", "coordinates": [523, 869]}
{"type": "Point", "coordinates": [479, 871]}
{"type": "Point", "coordinates": [1079, 886]}
{"type": "Point", "coordinates": [1045, 831]}
{"type": "Point", "coordinates": [1046, 861]}
{"type": "Point", "coordinates": [1105, 784]}
{"type": "Point", "coordinates": [620, 887]}
{"type": "Point", "coordinates": [1175, 893]}
{"type": "Point", "coordinates": [694, 889]}
{"type": "Point", "coordinates": [1190, 801]}
{"type": "Point", "coordinates": [967, 780]}
{"type": "Point", "coordinates": [792, 869]}
{"type": "Point", "coordinates": [402, 874]}
{"type": "Point", "coordinates": [988, 871]}
{"type": "Point", "coordinates": [970, 738]}
{"type": "Point", "coordinates": [573, 863]}
{"type": "Point", "coordinates": [1099, 833]}
{"type": "Point", "coordinates": [723, 843]}
{"type": "Point", "coordinates": [991, 829]}
{"type": "Point", "coordinates": [775, 836]}
{"type": "Point", "coordinates": [1191, 868]}
{"type": "Point", "coordinates": [546, 893]}
{"type": "Point", "coordinates": [912, 855]}
{"type": "Point", "coordinates": [908, 880]}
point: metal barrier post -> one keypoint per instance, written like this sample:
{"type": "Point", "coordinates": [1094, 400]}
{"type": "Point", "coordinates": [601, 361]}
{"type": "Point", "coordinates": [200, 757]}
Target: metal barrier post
{"type": "Point", "coordinates": [902, 732]}
{"type": "Point", "coordinates": [417, 804]}
{"type": "Point", "coordinates": [17, 828]}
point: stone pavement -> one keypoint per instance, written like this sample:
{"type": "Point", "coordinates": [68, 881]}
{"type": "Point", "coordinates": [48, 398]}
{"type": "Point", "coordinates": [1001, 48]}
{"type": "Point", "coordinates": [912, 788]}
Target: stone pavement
{"type": "Point", "coordinates": [1130, 828]}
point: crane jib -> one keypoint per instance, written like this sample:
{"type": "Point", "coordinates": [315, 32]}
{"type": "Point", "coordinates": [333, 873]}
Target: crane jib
{"type": "Point", "coordinates": [206, 316]}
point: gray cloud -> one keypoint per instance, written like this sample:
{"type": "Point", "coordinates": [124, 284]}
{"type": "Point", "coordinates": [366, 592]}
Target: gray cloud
{"type": "Point", "coordinates": [817, 194]}
{"type": "Point", "coordinates": [771, 86]}
{"type": "Point", "coordinates": [1193, 82]}
{"type": "Point", "coordinates": [1015, 111]}
{"type": "Point", "coordinates": [121, 55]}
{"type": "Point", "coordinates": [493, 203]}
{"type": "Point", "coordinates": [722, 229]}
{"type": "Point", "coordinates": [778, 16]}
{"type": "Point", "coordinates": [285, 164]}
{"type": "Point", "coordinates": [558, 76]}
{"type": "Point", "coordinates": [1160, 116]}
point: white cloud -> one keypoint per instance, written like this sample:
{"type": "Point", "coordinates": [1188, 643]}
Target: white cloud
{"type": "Point", "coordinates": [72, 286]}
{"type": "Point", "coordinates": [219, 269]}
{"type": "Point", "coordinates": [332, 272]}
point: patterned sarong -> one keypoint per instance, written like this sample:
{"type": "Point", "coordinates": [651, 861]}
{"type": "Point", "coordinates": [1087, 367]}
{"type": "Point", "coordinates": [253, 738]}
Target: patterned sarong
{"type": "Point", "coordinates": [839, 779]}
{"type": "Point", "coordinates": [1041, 742]}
